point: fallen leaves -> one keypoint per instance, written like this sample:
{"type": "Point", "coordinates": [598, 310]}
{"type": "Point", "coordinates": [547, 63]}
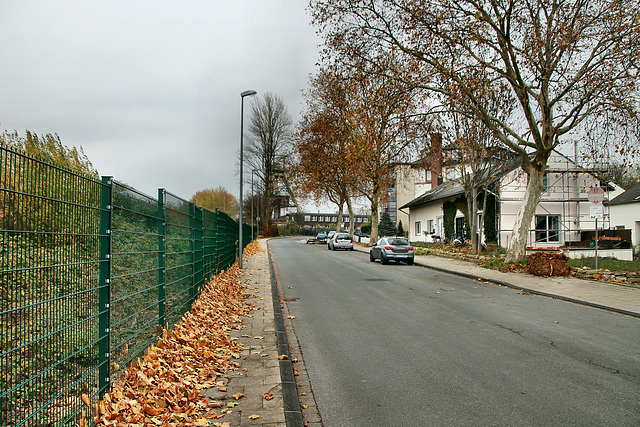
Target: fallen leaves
{"type": "Point", "coordinates": [165, 387]}
{"type": "Point", "coordinates": [268, 396]}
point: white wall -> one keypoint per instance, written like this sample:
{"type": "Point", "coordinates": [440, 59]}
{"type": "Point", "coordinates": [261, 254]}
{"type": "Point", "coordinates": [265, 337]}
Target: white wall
{"type": "Point", "coordinates": [627, 215]}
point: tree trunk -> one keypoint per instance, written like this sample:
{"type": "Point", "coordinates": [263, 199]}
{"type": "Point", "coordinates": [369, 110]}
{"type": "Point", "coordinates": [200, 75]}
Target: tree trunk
{"type": "Point", "coordinates": [374, 217]}
{"type": "Point", "coordinates": [351, 217]}
{"type": "Point", "coordinates": [482, 219]}
{"type": "Point", "coordinates": [339, 222]}
{"type": "Point", "coordinates": [472, 208]}
{"type": "Point", "coordinates": [518, 244]}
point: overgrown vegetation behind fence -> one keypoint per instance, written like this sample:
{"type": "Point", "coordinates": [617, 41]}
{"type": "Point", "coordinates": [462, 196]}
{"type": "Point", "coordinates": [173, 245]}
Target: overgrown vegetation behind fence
{"type": "Point", "coordinates": [90, 272]}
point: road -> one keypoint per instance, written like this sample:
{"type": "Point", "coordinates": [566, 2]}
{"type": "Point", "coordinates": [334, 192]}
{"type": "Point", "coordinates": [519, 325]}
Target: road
{"type": "Point", "coordinates": [400, 345]}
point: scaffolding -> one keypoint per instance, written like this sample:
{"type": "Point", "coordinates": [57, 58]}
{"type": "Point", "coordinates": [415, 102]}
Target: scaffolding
{"type": "Point", "coordinates": [562, 218]}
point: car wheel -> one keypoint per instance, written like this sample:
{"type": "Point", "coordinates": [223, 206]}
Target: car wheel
{"type": "Point", "coordinates": [371, 258]}
{"type": "Point", "coordinates": [383, 260]}
{"type": "Point", "coordinates": [410, 262]}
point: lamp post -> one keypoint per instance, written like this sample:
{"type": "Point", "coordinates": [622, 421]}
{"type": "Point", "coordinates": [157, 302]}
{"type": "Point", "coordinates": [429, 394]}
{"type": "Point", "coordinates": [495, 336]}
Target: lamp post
{"type": "Point", "coordinates": [252, 197]}
{"type": "Point", "coordinates": [242, 95]}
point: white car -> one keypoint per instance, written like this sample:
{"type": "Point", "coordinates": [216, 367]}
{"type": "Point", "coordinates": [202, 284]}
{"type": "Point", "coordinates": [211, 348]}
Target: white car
{"type": "Point", "coordinates": [340, 241]}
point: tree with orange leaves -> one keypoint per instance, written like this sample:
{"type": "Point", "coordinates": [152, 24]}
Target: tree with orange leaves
{"type": "Point", "coordinates": [567, 64]}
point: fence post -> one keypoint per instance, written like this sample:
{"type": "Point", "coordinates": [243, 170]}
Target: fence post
{"type": "Point", "coordinates": [162, 258]}
{"type": "Point", "coordinates": [104, 294]}
{"type": "Point", "coordinates": [198, 263]}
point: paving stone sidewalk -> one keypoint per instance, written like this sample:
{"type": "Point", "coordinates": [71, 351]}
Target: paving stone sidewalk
{"type": "Point", "coordinates": [258, 378]}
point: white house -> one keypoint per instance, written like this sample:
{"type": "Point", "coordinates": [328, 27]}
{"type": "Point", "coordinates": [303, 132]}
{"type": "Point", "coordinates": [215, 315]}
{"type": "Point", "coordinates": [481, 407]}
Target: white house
{"type": "Point", "coordinates": [561, 218]}
{"type": "Point", "coordinates": [624, 211]}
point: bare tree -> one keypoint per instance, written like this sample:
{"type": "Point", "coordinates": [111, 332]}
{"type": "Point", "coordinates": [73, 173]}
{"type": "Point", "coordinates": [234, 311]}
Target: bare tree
{"type": "Point", "coordinates": [565, 63]}
{"type": "Point", "coordinates": [325, 166]}
{"type": "Point", "coordinates": [268, 141]}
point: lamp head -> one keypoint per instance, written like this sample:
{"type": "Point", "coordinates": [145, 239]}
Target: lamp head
{"type": "Point", "coordinates": [248, 93]}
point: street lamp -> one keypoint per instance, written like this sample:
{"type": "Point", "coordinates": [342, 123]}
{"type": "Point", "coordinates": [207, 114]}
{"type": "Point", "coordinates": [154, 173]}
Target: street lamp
{"type": "Point", "coordinates": [242, 95]}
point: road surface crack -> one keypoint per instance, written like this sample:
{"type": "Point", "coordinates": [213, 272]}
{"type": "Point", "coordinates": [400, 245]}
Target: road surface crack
{"type": "Point", "coordinates": [509, 329]}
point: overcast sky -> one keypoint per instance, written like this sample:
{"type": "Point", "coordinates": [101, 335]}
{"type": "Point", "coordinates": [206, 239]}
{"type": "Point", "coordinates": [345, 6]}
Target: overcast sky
{"type": "Point", "coordinates": [151, 89]}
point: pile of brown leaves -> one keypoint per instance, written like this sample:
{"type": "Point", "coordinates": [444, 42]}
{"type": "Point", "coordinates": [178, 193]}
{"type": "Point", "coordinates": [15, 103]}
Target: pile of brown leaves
{"type": "Point", "coordinates": [165, 387]}
{"type": "Point", "coordinates": [548, 264]}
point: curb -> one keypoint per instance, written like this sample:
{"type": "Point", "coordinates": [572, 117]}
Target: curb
{"type": "Point", "coordinates": [292, 409]}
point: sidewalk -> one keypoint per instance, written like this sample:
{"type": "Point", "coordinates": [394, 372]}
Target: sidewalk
{"type": "Point", "coordinates": [604, 295]}
{"type": "Point", "coordinates": [259, 378]}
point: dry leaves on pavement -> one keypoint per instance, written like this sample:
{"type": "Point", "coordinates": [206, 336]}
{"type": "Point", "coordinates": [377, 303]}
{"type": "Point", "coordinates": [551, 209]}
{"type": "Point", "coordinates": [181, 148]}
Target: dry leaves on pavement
{"type": "Point", "coordinates": [164, 389]}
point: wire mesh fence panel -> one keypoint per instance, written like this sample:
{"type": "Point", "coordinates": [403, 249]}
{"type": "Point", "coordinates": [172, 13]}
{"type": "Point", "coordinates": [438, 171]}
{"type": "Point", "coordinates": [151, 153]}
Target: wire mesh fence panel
{"type": "Point", "coordinates": [134, 275]}
{"type": "Point", "coordinates": [49, 258]}
{"type": "Point", "coordinates": [179, 257]}
{"type": "Point", "coordinates": [227, 240]}
{"type": "Point", "coordinates": [90, 272]}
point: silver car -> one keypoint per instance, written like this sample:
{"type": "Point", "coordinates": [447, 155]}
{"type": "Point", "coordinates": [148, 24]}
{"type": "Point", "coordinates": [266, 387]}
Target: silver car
{"type": "Point", "coordinates": [340, 241]}
{"type": "Point", "coordinates": [392, 249]}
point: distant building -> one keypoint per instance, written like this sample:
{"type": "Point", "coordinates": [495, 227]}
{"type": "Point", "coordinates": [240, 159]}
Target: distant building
{"type": "Point", "coordinates": [311, 220]}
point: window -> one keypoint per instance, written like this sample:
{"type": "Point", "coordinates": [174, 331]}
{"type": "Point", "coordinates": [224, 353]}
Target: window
{"type": "Point", "coordinates": [430, 228]}
{"type": "Point", "coordinates": [547, 228]}
{"type": "Point", "coordinates": [418, 231]}
{"type": "Point", "coordinates": [314, 218]}
{"type": "Point", "coordinates": [307, 218]}
{"type": "Point", "coordinates": [460, 228]}
{"type": "Point", "coordinates": [545, 184]}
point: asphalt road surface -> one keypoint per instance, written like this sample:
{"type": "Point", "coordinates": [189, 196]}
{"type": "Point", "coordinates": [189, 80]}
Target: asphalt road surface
{"type": "Point", "coordinates": [399, 345]}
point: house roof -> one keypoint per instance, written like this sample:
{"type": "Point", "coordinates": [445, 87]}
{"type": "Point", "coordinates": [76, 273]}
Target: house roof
{"type": "Point", "coordinates": [442, 191]}
{"type": "Point", "coordinates": [632, 195]}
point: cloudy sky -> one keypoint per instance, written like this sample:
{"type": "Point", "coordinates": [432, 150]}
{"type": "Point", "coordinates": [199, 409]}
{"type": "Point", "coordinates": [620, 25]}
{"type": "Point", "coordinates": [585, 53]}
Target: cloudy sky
{"type": "Point", "coordinates": [151, 88]}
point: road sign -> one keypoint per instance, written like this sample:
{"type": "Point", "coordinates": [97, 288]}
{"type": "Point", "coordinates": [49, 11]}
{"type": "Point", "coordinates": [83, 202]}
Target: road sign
{"type": "Point", "coordinates": [596, 195]}
{"type": "Point", "coordinates": [596, 211]}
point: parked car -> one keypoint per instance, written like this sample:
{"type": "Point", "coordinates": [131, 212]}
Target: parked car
{"type": "Point", "coordinates": [319, 238]}
{"type": "Point", "coordinates": [331, 234]}
{"type": "Point", "coordinates": [360, 233]}
{"type": "Point", "coordinates": [392, 248]}
{"type": "Point", "coordinates": [340, 241]}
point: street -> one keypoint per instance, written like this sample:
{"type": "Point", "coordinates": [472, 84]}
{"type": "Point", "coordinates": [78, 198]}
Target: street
{"type": "Point", "coordinates": [399, 345]}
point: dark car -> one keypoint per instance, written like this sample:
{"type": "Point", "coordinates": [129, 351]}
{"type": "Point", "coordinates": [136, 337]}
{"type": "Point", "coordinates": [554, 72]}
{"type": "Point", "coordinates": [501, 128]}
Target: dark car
{"type": "Point", "coordinates": [392, 249]}
{"type": "Point", "coordinates": [340, 241]}
{"type": "Point", "coordinates": [319, 238]}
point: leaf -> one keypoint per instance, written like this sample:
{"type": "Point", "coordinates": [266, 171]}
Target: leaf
{"type": "Point", "coordinates": [258, 337]}
{"type": "Point", "coordinates": [238, 396]}
{"type": "Point", "coordinates": [254, 417]}
{"type": "Point", "coordinates": [86, 400]}
{"type": "Point", "coordinates": [283, 357]}
{"type": "Point", "coordinates": [268, 396]}
{"type": "Point", "coordinates": [202, 422]}
{"type": "Point", "coordinates": [291, 317]}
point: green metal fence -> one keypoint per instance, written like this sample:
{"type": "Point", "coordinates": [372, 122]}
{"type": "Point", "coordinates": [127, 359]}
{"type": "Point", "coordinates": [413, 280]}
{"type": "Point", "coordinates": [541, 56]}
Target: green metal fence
{"type": "Point", "coordinates": [90, 272]}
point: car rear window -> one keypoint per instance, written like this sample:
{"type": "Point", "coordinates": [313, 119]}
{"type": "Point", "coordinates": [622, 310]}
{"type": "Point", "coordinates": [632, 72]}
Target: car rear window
{"type": "Point", "coordinates": [399, 242]}
{"type": "Point", "coordinates": [343, 236]}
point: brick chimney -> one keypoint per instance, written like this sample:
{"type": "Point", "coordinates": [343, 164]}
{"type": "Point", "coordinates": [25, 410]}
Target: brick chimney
{"type": "Point", "coordinates": [436, 159]}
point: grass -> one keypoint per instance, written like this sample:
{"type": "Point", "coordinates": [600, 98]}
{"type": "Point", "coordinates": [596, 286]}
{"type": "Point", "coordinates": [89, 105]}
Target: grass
{"type": "Point", "coordinates": [611, 264]}
{"type": "Point", "coordinates": [497, 253]}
